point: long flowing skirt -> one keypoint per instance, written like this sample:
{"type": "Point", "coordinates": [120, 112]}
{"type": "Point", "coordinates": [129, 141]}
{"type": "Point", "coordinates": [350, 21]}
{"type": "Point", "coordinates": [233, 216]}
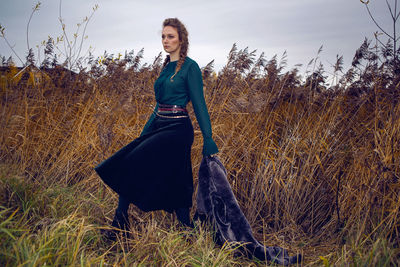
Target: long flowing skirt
{"type": "Point", "coordinates": [154, 171]}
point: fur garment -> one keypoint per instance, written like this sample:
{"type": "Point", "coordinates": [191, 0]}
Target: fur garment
{"type": "Point", "coordinates": [217, 204]}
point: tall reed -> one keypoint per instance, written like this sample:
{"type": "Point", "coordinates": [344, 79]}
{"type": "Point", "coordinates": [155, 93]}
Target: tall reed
{"type": "Point", "coordinates": [316, 173]}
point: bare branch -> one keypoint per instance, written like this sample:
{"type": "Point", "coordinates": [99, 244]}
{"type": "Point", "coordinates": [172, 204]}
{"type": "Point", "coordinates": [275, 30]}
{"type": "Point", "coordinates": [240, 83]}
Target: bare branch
{"type": "Point", "coordinates": [390, 9]}
{"type": "Point", "coordinates": [34, 9]}
{"type": "Point", "coordinates": [383, 44]}
{"type": "Point", "coordinates": [395, 11]}
{"type": "Point", "coordinates": [376, 23]}
{"type": "Point", "coordinates": [12, 49]}
{"type": "Point", "coordinates": [3, 35]}
{"type": "Point", "coordinates": [376, 34]}
{"type": "Point", "coordinates": [75, 39]}
{"type": "Point", "coordinates": [84, 29]}
{"type": "Point", "coordinates": [66, 42]}
{"type": "Point", "coordinates": [61, 52]}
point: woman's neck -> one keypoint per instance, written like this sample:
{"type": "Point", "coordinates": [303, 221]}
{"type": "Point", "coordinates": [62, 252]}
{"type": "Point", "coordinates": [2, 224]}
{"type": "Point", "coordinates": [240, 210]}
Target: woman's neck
{"type": "Point", "coordinates": [174, 56]}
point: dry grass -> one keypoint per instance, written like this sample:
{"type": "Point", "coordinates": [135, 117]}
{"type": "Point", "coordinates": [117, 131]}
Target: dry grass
{"type": "Point", "coordinates": [317, 173]}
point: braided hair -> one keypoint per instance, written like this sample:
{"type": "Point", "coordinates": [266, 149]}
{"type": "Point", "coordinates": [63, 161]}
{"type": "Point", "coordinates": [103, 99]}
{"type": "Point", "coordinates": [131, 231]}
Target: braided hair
{"type": "Point", "coordinates": [183, 38]}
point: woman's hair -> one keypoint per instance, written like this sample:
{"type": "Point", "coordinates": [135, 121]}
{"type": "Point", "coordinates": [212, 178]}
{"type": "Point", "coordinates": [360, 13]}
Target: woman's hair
{"type": "Point", "coordinates": [183, 38]}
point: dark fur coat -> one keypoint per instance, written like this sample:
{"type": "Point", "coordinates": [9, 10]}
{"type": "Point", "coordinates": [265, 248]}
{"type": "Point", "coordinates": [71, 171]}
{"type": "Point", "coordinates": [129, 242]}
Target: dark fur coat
{"type": "Point", "coordinates": [217, 204]}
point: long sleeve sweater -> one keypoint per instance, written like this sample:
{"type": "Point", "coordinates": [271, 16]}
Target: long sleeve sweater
{"type": "Point", "coordinates": [187, 85]}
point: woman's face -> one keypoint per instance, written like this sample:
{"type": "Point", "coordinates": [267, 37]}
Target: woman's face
{"type": "Point", "coordinates": [170, 40]}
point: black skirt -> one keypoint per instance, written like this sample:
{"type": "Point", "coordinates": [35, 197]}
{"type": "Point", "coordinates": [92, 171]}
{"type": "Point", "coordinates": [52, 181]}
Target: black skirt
{"type": "Point", "coordinates": [154, 171]}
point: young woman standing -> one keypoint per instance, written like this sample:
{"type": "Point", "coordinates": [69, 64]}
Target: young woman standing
{"type": "Point", "coordinates": [154, 171]}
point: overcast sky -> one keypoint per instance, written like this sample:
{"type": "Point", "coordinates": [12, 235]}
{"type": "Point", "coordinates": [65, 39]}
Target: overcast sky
{"type": "Point", "coordinates": [272, 26]}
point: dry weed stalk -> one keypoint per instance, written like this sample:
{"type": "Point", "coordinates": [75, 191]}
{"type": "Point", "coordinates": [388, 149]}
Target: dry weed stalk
{"type": "Point", "coordinates": [318, 169]}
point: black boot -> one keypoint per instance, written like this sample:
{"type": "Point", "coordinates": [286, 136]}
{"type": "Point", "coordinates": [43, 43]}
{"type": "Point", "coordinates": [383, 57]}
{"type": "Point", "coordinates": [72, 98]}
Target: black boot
{"type": "Point", "coordinates": [120, 222]}
{"type": "Point", "coordinates": [121, 214]}
{"type": "Point", "coordinates": [183, 215]}
{"type": "Point", "coordinates": [120, 225]}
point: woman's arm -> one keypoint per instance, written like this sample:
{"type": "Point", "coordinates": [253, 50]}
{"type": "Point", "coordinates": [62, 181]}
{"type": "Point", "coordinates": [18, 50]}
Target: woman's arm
{"type": "Point", "coordinates": [195, 85]}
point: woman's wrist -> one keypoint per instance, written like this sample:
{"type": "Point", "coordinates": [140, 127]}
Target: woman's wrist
{"type": "Point", "coordinates": [209, 147]}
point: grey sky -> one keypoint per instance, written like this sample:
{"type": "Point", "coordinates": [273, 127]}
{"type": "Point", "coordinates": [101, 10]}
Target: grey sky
{"type": "Point", "coordinates": [298, 26]}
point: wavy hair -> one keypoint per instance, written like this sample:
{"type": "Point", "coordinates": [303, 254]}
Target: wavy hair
{"type": "Point", "coordinates": [183, 38]}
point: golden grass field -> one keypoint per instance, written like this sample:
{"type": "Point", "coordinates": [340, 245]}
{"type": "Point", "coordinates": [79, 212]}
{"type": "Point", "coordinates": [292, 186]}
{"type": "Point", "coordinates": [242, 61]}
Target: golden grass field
{"type": "Point", "coordinates": [314, 171]}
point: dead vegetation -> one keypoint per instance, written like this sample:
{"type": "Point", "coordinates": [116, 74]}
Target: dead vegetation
{"type": "Point", "coordinates": [315, 168]}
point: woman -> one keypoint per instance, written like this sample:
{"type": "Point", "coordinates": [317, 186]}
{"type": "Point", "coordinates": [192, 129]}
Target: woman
{"type": "Point", "coordinates": [154, 171]}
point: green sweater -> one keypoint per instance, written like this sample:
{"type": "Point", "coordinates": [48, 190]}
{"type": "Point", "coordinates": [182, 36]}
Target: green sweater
{"type": "Point", "coordinates": [187, 86]}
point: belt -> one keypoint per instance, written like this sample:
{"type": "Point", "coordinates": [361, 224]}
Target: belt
{"type": "Point", "coordinates": [171, 111]}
